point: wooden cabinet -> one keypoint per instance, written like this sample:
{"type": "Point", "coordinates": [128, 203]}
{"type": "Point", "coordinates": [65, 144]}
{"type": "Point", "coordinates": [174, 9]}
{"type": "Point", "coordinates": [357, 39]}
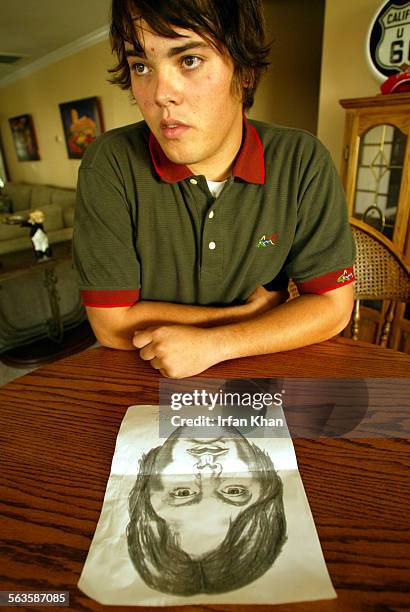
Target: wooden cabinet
{"type": "Point", "coordinates": [375, 172]}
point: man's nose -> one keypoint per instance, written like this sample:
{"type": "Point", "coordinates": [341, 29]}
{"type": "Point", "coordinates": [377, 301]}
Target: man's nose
{"type": "Point", "coordinates": [168, 88]}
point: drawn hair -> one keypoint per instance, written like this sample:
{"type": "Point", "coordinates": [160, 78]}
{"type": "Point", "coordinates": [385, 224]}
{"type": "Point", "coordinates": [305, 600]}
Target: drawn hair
{"type": "Point", "coordinates": [234, 25]}
{"type": "Point", "coordinates": [254, 539]}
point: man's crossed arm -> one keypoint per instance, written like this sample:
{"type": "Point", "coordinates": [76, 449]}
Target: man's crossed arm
{"type": "Point", "coordinates": [181, 340]}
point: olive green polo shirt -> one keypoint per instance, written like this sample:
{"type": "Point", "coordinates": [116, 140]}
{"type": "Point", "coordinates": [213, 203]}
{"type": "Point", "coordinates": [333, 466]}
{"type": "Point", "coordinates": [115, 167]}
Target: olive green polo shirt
{"type": "Point", "coordinates": [146, 228]}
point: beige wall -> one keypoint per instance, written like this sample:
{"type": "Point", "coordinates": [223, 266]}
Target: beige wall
{"type": "Point", "coordinates": [289, 92]}
{"type": "Point", "coordinates": [345, 72]}
{"type": "Point", "coordinates": [79, 76]}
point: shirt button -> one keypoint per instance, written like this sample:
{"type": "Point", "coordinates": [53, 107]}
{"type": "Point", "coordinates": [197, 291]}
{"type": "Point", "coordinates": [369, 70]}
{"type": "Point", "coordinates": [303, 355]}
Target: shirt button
{"type": "Point", "coordinates": [211, 214]}
{"type": "Point", "coordinates": [193, 181]}
{"type": "Point", "coordinates": [212, 246]}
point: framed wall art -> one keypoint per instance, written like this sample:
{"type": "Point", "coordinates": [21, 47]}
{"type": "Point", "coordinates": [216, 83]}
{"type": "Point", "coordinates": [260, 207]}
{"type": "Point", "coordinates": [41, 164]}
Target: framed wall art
{"type": "Point", "coordinates": [82, 122]}
{"type": "Point", "coordinates": [24, 138]}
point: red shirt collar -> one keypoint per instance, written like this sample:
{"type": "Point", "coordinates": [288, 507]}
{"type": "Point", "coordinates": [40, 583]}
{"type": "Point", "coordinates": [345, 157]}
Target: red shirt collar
{"type": "Point", "coordinates": [249, 164]}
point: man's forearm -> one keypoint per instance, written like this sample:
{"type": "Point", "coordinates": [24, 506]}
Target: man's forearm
{"type": "Point", "coordinates": [306, 320]}
{"type": "Point", "coordinates": [115, 327]}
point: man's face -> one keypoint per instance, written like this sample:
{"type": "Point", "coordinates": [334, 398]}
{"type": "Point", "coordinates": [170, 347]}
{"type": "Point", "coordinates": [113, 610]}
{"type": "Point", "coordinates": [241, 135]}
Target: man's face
{"type": "Point", "coordinates": [202, 487]}
{"type": "Point", "coordinates": [183, 87]}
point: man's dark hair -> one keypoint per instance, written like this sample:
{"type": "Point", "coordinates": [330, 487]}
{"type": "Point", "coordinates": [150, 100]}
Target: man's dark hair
{"type": "Point", "coordinates": [254, 539]}
{"type": "Point", "coordinates": [234, 25]}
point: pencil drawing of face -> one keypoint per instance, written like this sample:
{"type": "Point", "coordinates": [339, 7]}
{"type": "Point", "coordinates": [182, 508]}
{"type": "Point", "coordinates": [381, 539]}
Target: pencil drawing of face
{"type": "Point", "coordinates": [206, 515]}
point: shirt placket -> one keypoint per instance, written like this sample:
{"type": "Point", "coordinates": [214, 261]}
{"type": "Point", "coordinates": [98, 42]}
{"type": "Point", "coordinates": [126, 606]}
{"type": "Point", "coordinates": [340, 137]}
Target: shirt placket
{"type": "Point", "coordinates": [210, 233]}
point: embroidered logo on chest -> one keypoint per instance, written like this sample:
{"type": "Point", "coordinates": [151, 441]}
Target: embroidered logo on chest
{"type": "Point", "coordinates": [266, 241]}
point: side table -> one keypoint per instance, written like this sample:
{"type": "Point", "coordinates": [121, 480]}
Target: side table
{"type": "Point", "coordinates": [59, 334]}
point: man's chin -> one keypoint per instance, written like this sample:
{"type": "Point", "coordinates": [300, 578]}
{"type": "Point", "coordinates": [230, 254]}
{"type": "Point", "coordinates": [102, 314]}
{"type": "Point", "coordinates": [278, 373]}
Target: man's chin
{"type": "Point", "coordinates": [181, 160]}
{"type": "Point", "coordinates": [178, 153]}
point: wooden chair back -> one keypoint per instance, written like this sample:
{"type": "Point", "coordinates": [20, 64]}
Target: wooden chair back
{"type": "Point", "coordinates": [382, 273]}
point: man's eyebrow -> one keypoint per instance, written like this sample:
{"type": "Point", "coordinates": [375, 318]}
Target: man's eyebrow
{"type": "Point", "coordinates": [171, 52]}
{"type": "Point", "coordinates": [134, 53]}
{"type": "Point", "coordinates": [190, 45]}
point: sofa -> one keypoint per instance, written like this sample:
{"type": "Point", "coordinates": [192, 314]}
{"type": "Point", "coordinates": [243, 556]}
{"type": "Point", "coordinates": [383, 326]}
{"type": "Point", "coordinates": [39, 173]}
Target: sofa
{"type": "Point", "coordinates": [57, 204]}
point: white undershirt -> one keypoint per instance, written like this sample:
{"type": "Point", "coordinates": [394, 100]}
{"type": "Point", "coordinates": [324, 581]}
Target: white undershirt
{"type": "Point", "coordinates": [215, 187]}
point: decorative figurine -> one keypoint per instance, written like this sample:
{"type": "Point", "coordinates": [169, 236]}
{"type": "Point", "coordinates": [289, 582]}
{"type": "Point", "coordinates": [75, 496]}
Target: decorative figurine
{"type": "Point", "coordinates": [397, 83]}
{"type": "Point", "coordinates": [38, 236]}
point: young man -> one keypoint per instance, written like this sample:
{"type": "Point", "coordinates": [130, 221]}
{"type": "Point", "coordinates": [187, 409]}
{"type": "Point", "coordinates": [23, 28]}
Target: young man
{"type": "Point", "coordinates": [190, 223]}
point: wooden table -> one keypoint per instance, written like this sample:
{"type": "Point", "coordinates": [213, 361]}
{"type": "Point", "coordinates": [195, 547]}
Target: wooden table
{"type": "Point", "coordinates": [58, 430]}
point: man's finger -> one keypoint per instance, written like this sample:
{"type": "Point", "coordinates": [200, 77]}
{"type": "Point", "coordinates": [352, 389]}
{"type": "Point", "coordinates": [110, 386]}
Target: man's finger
{"type": "Point", "coordinates": [142, 338]}
{"type": "Point", "coordinates": [156, 363]}
{"type": "Point", "coordinates": [148, 352]}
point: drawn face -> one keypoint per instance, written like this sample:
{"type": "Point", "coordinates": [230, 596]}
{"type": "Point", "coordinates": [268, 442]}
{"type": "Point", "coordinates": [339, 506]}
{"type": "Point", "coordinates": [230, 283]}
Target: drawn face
{"type": "Point", "coordinates": [183, 87]}
{"type": "Point", "coordinates": [213, 479]}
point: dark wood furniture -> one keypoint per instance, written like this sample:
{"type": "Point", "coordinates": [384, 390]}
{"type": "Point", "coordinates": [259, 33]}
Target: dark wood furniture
{"type": "Point", "coordinates": [58, 431]}
{"type": "Point", "coordinates": [60, 332]}
{"type": "Point", "coordinates": [375, 170]}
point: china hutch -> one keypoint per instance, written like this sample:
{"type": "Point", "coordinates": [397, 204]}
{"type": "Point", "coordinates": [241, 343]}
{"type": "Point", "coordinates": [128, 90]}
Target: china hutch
{"type": "Point", "coordinates": [375, 172]}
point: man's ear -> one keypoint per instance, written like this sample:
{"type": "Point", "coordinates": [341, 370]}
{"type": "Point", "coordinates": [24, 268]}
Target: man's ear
{"type": "Point", "coordinates": [248, 78]}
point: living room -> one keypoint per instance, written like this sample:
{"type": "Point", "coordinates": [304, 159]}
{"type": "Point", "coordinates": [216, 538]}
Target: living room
{"type": "Point", "coordinates": [239, 434]}
{"type": "Point", "coordinates": [313, 66]}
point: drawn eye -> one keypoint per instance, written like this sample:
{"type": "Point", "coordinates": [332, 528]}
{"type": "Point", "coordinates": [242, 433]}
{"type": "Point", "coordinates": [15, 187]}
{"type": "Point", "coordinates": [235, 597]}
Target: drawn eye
{"type": "Point", "coordinates": [184, 492]}
{"type": "Point", "coordinates": [234, 490]}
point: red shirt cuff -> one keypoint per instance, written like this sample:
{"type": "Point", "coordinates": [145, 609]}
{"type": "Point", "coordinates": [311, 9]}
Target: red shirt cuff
{"type": "Point", "coordinates": [110, 298]}
{"type": "Point", "coordinates": [327, 282]}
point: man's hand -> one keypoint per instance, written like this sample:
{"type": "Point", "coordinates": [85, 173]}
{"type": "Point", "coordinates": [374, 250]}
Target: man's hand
{"type": "Point", "coordinates": [177, 351]}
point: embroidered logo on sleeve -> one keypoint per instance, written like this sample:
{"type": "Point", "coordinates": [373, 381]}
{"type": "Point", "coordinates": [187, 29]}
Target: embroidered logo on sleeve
{"type": "Point", "coordinates": [346, 276]}
{"type": "Point", "coordinates": [267, 240]}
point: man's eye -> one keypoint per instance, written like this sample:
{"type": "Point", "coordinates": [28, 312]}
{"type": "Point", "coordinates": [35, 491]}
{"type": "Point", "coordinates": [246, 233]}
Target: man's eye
{"type": "Point", "coordinates": [191, 61]}
{"type": "Point", "coordinates": [139, 69]}
{"type": "Point", "coordinates": [234, 491]}
{"type": "Point", "coordinates": [183, 492]}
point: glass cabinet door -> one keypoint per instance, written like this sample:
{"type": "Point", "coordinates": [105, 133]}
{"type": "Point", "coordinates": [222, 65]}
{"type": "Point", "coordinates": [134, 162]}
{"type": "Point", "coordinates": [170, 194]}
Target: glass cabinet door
{"type": "Point", "coordinates": [379, 174]}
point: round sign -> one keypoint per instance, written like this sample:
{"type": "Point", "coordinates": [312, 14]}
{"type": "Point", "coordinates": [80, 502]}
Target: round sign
{"type": "Point", "coordinates": [388, 39]}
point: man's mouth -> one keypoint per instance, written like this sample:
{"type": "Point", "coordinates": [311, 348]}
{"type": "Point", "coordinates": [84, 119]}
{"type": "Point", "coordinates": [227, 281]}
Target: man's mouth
{"type": "Point", "coordinates": [172, 123]}
{"type": "Point", "coordinates": [171, 128]}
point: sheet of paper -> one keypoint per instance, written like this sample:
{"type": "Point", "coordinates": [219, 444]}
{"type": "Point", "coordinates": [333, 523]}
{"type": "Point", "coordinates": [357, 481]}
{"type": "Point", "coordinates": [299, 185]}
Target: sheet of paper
{"type": "Point", "coordinates": [202, 521]}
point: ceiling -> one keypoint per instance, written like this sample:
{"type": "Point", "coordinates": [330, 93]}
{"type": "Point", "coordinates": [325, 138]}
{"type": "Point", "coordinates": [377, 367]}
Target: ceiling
{"type": "Point", "coordinates": [35, 28]}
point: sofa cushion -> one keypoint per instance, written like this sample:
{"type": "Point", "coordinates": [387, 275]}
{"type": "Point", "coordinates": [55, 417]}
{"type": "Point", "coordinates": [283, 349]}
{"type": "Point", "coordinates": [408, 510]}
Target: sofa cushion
{"type": "Point", "coordinates": [53, 217]}
{"type": "Point", "coordinates": [68, 216]}
{"type": "Point", "coordinates": [40, 196]}
{"type": "Point", "coordinates": [63, 197]}
{"type": "Point", "coordinates": [11, 232]}
{"type": "Point", "coordinates": [17, 244]}
{"type": "Point", "coordinates": [20, 194]}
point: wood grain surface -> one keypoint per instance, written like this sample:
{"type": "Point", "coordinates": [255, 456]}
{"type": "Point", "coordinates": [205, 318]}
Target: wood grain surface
{"type": "Point", "coordinates": [57, 435]}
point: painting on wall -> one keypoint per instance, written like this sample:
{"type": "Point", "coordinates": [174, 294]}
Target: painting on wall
{"type": "Point", "coordinates": [82, 122]}
{"type": "Point", "coordinates": [24, 138]}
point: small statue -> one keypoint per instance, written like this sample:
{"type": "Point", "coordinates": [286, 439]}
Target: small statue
{"type": "Point", "coordinates": [397, 83]}
{"type": "Point", "coordinates": [38, 236]}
